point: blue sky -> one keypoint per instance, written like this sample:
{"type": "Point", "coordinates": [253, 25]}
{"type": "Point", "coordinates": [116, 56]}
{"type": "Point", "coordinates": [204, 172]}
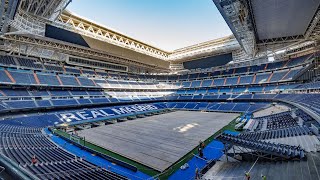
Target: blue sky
{"type": "Point", "coordinates": [166, 24]}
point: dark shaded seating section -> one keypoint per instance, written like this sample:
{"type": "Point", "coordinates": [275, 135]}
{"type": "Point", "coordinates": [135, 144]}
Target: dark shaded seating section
{"type": "Point", "coordinates": [281, 150]}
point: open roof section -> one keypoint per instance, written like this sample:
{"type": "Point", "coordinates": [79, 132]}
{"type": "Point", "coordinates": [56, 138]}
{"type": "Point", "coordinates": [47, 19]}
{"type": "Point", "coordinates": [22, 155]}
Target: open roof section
{"type": "Point", "coordinates": [73, 22]}
{"type": "Point", "coordinates": [165, 24]}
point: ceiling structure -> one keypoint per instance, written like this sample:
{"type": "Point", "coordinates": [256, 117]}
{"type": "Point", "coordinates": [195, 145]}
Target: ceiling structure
{"type": "Point", "coordinates": [261, 25]}
{"type": "Point", "coordinates": [275, 19]}
{"type": "Point", "coordinates": [258, 27]}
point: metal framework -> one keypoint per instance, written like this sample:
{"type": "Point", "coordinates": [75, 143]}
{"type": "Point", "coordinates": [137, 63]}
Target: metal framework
{"type": "Point", "coordinates": [32, 15]}
{"type": "Point", "coordinates": [237, 16]}
{"type": "Point", "coordinates": [313, 31]}
{"type": "Point", "coordinates": [75, 23]}
{"type": "Point", "coordinates": [26, 23]}
{"type": "Point", "coordinates": [72, 22]}
{"type": "Point", "coordinates": [209, 48]}
{"type": "Point", "coordinates": [7, 13]}
{"type": "Point", "coordinates": [48, 9]}
{"type": "Point", "coordinates": [42, 47]}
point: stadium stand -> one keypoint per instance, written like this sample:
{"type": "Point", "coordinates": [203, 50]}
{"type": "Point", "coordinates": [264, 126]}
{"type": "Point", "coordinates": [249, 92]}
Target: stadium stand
{"type": "Point", "coordinates": [22, 143]}
{"type": "Point", "coordinates": [289, 152]}
{"type": "Point", "coordinates": [69, 84]}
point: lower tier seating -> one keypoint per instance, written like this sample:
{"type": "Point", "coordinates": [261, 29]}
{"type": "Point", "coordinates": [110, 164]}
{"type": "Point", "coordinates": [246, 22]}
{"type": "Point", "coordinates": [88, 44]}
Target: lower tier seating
{"type": "Point", "coordinates": [280, 150]}
{"type": "Point", "coordinates": [279, 133]}
{"type": "Point", "coordinates": [21, 144]}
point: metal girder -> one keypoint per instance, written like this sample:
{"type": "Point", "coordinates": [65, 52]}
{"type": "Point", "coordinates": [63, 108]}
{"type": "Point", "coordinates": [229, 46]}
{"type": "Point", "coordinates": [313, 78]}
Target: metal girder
{"type": "Point", "coordinates": [313, 31]}
{"type": "Point", "coordinates": [74, 23]}
{"type": "Point", "coordinates": [209, 48]}
{"type": "Point", "coordinates": [26, 23]}
{"type": "Point", "coordinates": [33, 50]}
{"type": "Point", "coordinates": [32, 15]}
{"type": "Point", "coordinates": [40, 43]}
{"type": "Point", "coordinates": [48, 9]}
{"type": "Point", "coordinates": [7, 13]}
{"type": "Point", "coordinates": [274, 44]}
{"type": "Point", "coordinates": [71, 22]}
{"type": "Point", "coordinates": [237, 15]}
{"type": "Point", "coordinates": [240, 18]}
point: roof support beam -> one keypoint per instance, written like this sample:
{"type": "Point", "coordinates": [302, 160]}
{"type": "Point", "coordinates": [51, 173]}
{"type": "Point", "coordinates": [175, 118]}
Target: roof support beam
{"type": "Point", "coordinates": [236, 15]}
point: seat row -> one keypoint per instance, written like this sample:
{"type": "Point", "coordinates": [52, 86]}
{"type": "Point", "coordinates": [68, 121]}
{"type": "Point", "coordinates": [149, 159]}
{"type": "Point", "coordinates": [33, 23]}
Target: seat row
{"type": "Point", "coordinates": [279, 133]}
{"type": "Point", "coordinates": [281, 150]}
{"type": "Point", "coordinates": [52, 161]}
{"type": "Point", "coordinates": [46, 66]}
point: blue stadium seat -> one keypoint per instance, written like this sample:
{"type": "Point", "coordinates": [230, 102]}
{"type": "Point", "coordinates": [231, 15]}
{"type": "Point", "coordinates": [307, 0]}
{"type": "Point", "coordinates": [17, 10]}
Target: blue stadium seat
{"type": "Point", "coordinates": [278, 75]}
{"type": "Point", "coordinates": [64, 102]}
{"type": "Point", "coordinates": [232, 81]}
{"type": "Point", "coordinates": [44, 103]}
{"type": "Point", "coordinates": [29, 63]}
{"type": "Point", "coordinates": [22, 77]}
{"type": "Point", "coordinates": [262, 78]}
{"type": "Point", "coordinates": [69, 80]}
{"type": "Point", "coordinates": [206, 83]}
{"type": "Point", "coordinates": [246, 79]}
{"type": "Point", "coordinates": [49, 79]}
{"type": "Point", "coordinates": [51, 67]}
{"type": "Point", "coordinates": [59, 93]}
{"type": "Point", "coordinates": [7, 60]}
{"type": "Point", "coordinates": [15, 92]}
{"type": "Point", "coordinates": [218, 82]}
{"type": "Point", "coordinates": [3, 77]}
{"type": "Point", "coordinates": [85, 81]}
{"type": "Point", "coordinates": [21, 104]}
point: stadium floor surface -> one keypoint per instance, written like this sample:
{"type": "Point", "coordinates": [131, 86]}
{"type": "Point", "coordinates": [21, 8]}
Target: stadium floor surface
{"type": "Point", "coordinates": [158, 141]}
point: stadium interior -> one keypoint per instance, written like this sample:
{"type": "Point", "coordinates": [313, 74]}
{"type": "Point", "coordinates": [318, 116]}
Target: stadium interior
{"type": "Point", "coordinates": [81, 101]}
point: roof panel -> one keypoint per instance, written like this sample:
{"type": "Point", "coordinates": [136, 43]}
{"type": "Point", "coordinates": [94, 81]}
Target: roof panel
{"type": "Point", "coordinates": [282, 18]}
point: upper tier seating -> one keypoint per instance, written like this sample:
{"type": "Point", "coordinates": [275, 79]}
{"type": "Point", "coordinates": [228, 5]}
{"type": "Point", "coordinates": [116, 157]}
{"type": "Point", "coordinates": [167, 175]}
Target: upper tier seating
{"type": "Point", "coordinates": [20, 104]}
{"type": "Point", "coordinates": [232, 80]}
{"type": "Point", "coordinates": [311, 85]}
{"type": "Point", "coordinates": [72, 70]}
{"type": "Point", "coordinates": [218, 82]}
{"type": "Point", "coordinates": [262, 78]}
{"type": "Point", "coordinates": [39, 92]}
{"type": "Point", "coordinates": [3, 77]}
{"type": "Point", "coordinates": [7, 60]}
{"type": "Point", "coordinates": [275, 65]}
{"type": "Point", "coordinates": [206, 83]}
{"type": "Point", "coordinates": [246, 79]}
{"type": "Point", "coordinates": [23, 77]}
{"type": "Point", "coordinates": [69, 80]}
{"type": "Point", "coordinates": [87, 71]}
{"type": "Point", "coordinates": [29, 63]}
{"type": "Point", "coordinates": [86, 82]}
{"type": "Point", "coordinates": [49, 79]}
{"type": "Point", "coordinates": [277, 76]}
{"type": "Point", "coordinates": [64, 102]}
{"type": "Point", "coordinates": [15, 92]}
{"type": "Point", "coordinates": [291, 74]}
{"type": "Point", "coordinates": [297, 61]}
{"type": "Point", "coordinates": [51, 67]}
